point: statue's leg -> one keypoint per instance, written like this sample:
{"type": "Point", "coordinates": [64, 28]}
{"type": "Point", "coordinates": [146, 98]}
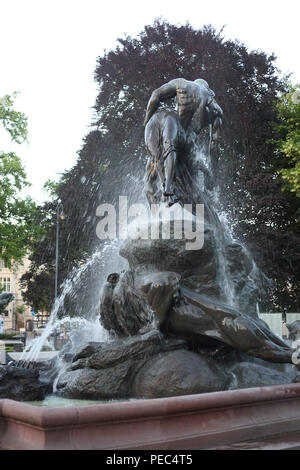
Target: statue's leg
{"type": "Point", "coordinates": [154, 148]}
{"type": "Point", "coordinates": [163, 135]}
{"type": "Point", "coordinates": [169, 142]}
{"type": "Point", "coordinates": [148, 182]}
{"type": "Point", "coordinates": [200, 316]}
{"type": "Point", "coordinates": [170, 166]}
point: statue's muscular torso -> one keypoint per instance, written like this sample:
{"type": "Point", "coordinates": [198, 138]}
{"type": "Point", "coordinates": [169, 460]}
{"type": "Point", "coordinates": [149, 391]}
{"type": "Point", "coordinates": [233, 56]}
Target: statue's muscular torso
{"type": "Point", "coordinates": [190, 96]}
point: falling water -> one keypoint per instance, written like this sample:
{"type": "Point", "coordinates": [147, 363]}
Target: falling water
{"type": "Point", "coordinates": [85, 325]}
{"type": "Point", "coordinates": [224, 236]}
{"type": "Point", "coordinates": [89, 327]}
{"type": "Point", "coordinates": [223, 233]}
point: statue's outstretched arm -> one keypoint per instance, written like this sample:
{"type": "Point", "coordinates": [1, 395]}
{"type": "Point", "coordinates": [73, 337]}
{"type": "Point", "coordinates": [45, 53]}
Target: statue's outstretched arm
{"type": "Point", "coordinates": [162, 291]}
{"type": "Point", "coordinates": [160, 94]}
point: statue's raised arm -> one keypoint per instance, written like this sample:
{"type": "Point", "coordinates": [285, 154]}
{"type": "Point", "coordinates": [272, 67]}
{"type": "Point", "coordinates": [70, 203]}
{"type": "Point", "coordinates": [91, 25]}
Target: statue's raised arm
{"type": "Point", "coordinates": [160, 94]}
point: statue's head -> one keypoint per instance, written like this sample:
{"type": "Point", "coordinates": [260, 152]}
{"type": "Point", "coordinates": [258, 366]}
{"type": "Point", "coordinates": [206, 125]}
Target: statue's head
{"type": "Point", "coordinates": [215, 111]}
{"type": "Point", "coordinates": [201, 82]}
{"type": "Point", "coordinates": [113, 278]}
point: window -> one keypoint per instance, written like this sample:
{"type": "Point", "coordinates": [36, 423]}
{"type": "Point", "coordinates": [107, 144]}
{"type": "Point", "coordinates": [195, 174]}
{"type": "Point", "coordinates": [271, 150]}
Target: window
{"type": "Point", "coordinates": [4, 284]}
{"type": "Point", "coordinates": [2, 263]}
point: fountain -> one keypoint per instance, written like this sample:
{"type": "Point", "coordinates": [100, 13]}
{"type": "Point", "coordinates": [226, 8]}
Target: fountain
{"type": "Point", "coordinates": [178, 316]}
{"type": "Point", "coordinates": [183, 317]}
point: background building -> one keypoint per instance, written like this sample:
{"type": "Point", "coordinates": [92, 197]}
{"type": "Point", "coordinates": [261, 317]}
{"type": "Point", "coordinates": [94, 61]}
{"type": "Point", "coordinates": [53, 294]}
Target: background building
{"type": "Point", "coordinates": [18, 314]}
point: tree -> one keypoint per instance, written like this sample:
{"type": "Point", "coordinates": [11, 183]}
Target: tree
{"type": "Point", "coordinates": [17, 214]}
{"type": "Point", "coordinates": [288, 142]}
{"type": "Point", "coordinates": [245, 163]}
{"type": "Point", "coordinates": [15, 122]}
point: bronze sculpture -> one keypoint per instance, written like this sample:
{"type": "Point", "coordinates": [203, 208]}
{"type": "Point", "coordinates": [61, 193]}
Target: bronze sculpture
{"type": "Point", "coordinates": [185, 314]}
{"type": "Point", "coordinates": [173, 330]}
{"type": "Point", "coordinates": [167, 131]}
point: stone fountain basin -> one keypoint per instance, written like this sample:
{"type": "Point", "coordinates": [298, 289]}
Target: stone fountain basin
{"type": "Point", "coordinates": [255, 418]}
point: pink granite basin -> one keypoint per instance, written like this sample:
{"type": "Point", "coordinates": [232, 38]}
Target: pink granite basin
{"type": "Point", "coordinates": [231, 419]}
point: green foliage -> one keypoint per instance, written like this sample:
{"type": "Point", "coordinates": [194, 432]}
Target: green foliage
{"type": "Point", "coordinates": [289, 138]}
{"type": "Point", "coordinates": [51, 187]}
{"type": "Point", "coordinates": [7, 336]}
{"type": "Point", "coordinates": [20, 309]}
{"type": "Point", "coordinates": [39, 285]}
{"type": "Point", "coordinates": [17, 214]}
{"type": "Point", "coordinates": [13, 121]}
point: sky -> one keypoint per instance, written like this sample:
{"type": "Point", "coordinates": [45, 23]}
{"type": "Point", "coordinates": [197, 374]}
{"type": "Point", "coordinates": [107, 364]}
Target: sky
{"type": "Point", "coordinates": [49, 49]}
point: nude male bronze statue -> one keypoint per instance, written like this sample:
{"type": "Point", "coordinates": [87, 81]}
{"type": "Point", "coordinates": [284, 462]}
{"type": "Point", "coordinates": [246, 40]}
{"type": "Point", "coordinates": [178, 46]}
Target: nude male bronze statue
{"type": "Point", "coordinates": [167, 130]}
